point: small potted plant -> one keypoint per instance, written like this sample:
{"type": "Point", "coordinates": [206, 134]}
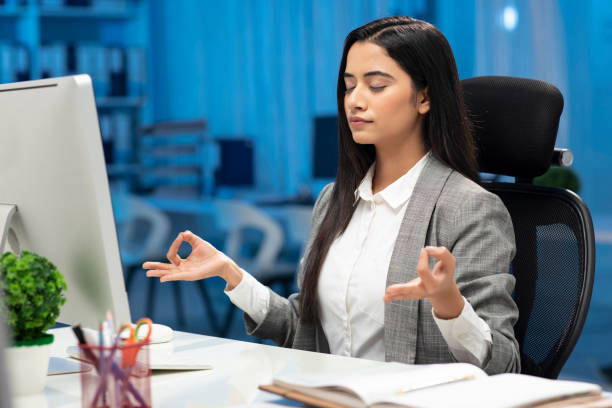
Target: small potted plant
{"type": "Point", "coordinates": [31, 289]}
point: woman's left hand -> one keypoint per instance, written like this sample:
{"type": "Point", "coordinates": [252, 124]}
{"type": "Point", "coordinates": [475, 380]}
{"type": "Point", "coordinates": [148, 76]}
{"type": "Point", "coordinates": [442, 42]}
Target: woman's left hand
{"type": "Point", "coordinates": [438, 285]}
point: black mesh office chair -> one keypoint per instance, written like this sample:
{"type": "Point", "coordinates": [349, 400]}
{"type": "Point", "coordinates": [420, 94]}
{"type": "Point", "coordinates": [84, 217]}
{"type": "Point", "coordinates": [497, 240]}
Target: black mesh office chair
{"type": "Point", "coordinates": [515, 124]}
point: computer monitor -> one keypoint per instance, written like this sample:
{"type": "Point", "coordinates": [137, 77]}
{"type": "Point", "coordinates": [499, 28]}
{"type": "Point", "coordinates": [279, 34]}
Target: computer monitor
{"type": "Point", "coordinates": [52, 168]}
{"type": "Point", "coordinates": [236, 164]}
{"type": "Point", "coordinates": [325, 151]}
{"type": "Point", "coordinates": [5, 400]}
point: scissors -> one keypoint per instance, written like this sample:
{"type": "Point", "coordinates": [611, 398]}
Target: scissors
{"type": "Point", "coordinates": [134, 345]}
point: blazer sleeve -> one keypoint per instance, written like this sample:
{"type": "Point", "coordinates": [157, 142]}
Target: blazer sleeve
{"type": "Point", "coordinates": [281, 321]}
{"type": "Point", "coordinates": [484, 247]}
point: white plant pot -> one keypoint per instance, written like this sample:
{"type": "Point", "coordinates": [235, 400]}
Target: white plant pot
{"type": "Point", "coordinates": [27, 368]}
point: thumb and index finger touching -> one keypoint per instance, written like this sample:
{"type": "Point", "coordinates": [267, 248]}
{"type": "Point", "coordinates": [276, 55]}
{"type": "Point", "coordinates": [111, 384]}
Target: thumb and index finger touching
{"type": "Point", "coordinates": [423, 271]}
{"type": "Point", "coordinates": [191, 238]}
{"type": "Point", "coordinates": [422, 268]}
{"type": "Point", "coordinates": [186, 236]}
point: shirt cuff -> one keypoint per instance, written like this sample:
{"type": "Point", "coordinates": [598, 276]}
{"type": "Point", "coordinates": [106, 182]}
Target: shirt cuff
{"type": "Point", "coordinates": [468, 336]}
{"type": "Point", "coordinates": [251, 297]}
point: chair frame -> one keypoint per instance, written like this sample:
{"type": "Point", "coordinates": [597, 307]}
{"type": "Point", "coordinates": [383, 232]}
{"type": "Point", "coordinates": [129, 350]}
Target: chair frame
{"type": "Point", "coordinates": [568, 341]}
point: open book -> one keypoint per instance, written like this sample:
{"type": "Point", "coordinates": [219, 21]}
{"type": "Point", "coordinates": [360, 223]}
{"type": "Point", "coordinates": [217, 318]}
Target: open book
{"type": "Point", "coordinates": [437, 385]}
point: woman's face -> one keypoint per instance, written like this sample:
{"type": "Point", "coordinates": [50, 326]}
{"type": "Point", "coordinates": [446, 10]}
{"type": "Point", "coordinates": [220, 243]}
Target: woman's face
{"type": "Point", "coordinates": [381, 103]}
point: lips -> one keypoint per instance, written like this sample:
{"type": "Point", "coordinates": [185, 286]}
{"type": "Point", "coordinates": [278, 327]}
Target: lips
{"type": "Point", "coordinates": [356, 120]}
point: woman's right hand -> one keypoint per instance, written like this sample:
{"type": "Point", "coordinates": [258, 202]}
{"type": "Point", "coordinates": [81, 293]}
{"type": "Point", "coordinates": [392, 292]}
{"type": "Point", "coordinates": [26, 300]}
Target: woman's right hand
{"type": "Point", "coordinates": [203, 262]}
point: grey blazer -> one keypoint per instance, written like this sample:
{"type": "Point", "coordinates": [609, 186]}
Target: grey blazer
{"type": "Point", "coordinates": [446, 209]}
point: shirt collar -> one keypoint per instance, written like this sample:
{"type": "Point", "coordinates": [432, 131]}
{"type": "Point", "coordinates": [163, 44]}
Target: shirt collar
{"type": "Point", "coordinates": [396, 193]}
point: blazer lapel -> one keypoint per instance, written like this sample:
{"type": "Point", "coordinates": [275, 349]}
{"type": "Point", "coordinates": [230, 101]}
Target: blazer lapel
{"type": "Point", "coordinates": [401, 315]}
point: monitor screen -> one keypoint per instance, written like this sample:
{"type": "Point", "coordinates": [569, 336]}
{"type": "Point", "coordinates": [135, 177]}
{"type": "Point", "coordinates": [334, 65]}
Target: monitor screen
{"type": "Point", "coordinates": [53, 170]}
{"type": "Point", "coordinates": [325, 151]}
{"type": "Point", "coordinates": [236, 163]}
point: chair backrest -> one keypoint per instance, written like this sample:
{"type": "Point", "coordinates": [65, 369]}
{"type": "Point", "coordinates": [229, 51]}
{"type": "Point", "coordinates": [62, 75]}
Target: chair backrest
{"type": "Point", "coordinates": [235, 218]}
{"type": "Point", "coordinates": [515, 123]}
{"type": "Point", "coordinates": [142, 229]}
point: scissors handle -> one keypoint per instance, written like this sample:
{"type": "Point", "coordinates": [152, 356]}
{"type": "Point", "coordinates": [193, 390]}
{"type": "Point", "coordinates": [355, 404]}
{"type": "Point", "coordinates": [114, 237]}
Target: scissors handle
{"type": "Point", "coordinates": [142, 322]}
{"type": "Point", "coordinates": [131, 338]}
{"type": "Point", "coordinates": [133, 345]}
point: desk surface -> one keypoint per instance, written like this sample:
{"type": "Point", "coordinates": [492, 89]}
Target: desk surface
{"type": "Point", "coordinates": [239, 367]}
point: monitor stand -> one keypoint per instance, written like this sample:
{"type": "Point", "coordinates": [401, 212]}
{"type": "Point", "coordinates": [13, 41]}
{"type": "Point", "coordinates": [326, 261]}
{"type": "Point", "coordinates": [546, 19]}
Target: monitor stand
{"type": "Point", "coordinates": [6, 234]}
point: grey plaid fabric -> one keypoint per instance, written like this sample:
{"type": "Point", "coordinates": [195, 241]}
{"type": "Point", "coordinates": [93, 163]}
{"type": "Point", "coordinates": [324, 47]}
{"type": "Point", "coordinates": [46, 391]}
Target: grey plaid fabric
{"type": "Point", "coordinates": [446, 209]}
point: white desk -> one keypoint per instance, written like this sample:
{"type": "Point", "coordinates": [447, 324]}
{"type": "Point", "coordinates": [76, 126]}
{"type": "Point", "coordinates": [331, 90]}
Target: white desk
{"type": "Point", "coordinates": [239, 367]}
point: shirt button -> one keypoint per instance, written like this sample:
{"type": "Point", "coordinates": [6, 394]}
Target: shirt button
{"type": "Point", "coordinates": [463, 336]}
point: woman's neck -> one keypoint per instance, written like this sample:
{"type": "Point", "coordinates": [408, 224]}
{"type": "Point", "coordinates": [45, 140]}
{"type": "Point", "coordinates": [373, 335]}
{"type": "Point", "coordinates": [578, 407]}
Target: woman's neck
{"type": "Point", "coordinates": [393, 163]}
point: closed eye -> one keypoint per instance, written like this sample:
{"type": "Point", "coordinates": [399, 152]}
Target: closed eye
{"type": "Point", "coordinates": [372, 88]}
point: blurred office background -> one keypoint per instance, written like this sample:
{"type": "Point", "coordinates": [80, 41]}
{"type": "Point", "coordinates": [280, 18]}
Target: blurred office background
{"type": "Point", "coordinates": [219, 117]}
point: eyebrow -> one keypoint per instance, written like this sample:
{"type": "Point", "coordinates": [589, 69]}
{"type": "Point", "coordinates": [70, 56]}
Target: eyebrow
{"type": "Point", "coordinates": [371, 73]}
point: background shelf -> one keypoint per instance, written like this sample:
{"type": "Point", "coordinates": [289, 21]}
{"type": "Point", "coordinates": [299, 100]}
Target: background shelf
{"type": "Point", "coordinates": [88, 13]}
{"type": "Point", "coordinates": [110, 41]}
{"type": "Point", "coordinates": [111, 102]}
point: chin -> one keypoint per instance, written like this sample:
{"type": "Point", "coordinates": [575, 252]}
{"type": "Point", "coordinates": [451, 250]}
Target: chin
{"type": "Point", "coordinates": [361, 138]}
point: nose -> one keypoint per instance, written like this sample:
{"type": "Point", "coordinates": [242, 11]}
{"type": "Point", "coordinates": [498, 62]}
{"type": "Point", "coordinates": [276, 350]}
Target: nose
{"type": "Point", "coordinates": [355, 100]}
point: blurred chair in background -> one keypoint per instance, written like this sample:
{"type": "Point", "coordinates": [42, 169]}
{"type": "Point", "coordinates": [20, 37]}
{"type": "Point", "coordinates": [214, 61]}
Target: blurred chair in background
{"type": "Point", "coordinates": [143, 233]}
{"type": "Point", "coordinates": [240, 222]}
{"type": "Point", "coordinates": [235, 218]}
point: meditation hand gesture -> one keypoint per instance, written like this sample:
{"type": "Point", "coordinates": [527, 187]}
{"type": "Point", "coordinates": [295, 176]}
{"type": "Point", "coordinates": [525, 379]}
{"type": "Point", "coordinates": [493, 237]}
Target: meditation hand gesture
{"type": "Point", "coordinates": [203, 262]}
{"type": "Point", "coordinates": [438, 285]}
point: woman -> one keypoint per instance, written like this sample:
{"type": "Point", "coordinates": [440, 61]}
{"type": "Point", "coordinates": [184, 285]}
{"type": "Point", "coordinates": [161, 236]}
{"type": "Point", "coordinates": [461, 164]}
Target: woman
{"type": "Point", "coordinates": [408, 256]}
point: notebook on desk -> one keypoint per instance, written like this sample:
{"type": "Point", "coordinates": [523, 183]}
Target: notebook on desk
{"type": "Point", "coordinates": [438, 385]}
{"type": "Point", "coordinates": [162, 359]}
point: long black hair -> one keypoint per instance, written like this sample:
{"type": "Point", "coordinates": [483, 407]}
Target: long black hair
{"type": "Point", "coordinates": [424, 53]}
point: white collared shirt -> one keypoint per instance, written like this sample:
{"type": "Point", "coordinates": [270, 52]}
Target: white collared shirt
{"type": "Point", "coordinates": [353, 280]}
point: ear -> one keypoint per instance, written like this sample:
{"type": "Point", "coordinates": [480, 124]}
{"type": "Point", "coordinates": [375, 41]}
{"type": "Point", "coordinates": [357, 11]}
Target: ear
{"type": "Point", "coordinates": [423, 101]}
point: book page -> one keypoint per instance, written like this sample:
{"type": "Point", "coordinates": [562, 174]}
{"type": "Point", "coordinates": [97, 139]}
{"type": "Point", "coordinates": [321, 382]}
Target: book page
{"type": "Point", "coordinates": [502, 391]}
{"type": "Point", "coordinates": [377, 384]}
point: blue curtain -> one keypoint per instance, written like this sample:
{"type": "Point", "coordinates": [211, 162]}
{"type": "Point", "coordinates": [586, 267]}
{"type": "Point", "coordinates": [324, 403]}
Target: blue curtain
{"type": "Point", "coordinates": [563, 42]}
{"type": "Point", "coordinates": [523, 38]}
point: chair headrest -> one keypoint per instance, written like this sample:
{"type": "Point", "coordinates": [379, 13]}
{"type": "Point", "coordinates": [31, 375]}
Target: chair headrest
{"type": "Point", "coordinates": [515, 123]}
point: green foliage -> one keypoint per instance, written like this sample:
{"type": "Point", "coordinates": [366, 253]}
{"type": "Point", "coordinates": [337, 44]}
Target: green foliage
{"type": "Point", "coordinates": [562, 177]}
{"type": "Point", "coordinates": [32, 290]}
